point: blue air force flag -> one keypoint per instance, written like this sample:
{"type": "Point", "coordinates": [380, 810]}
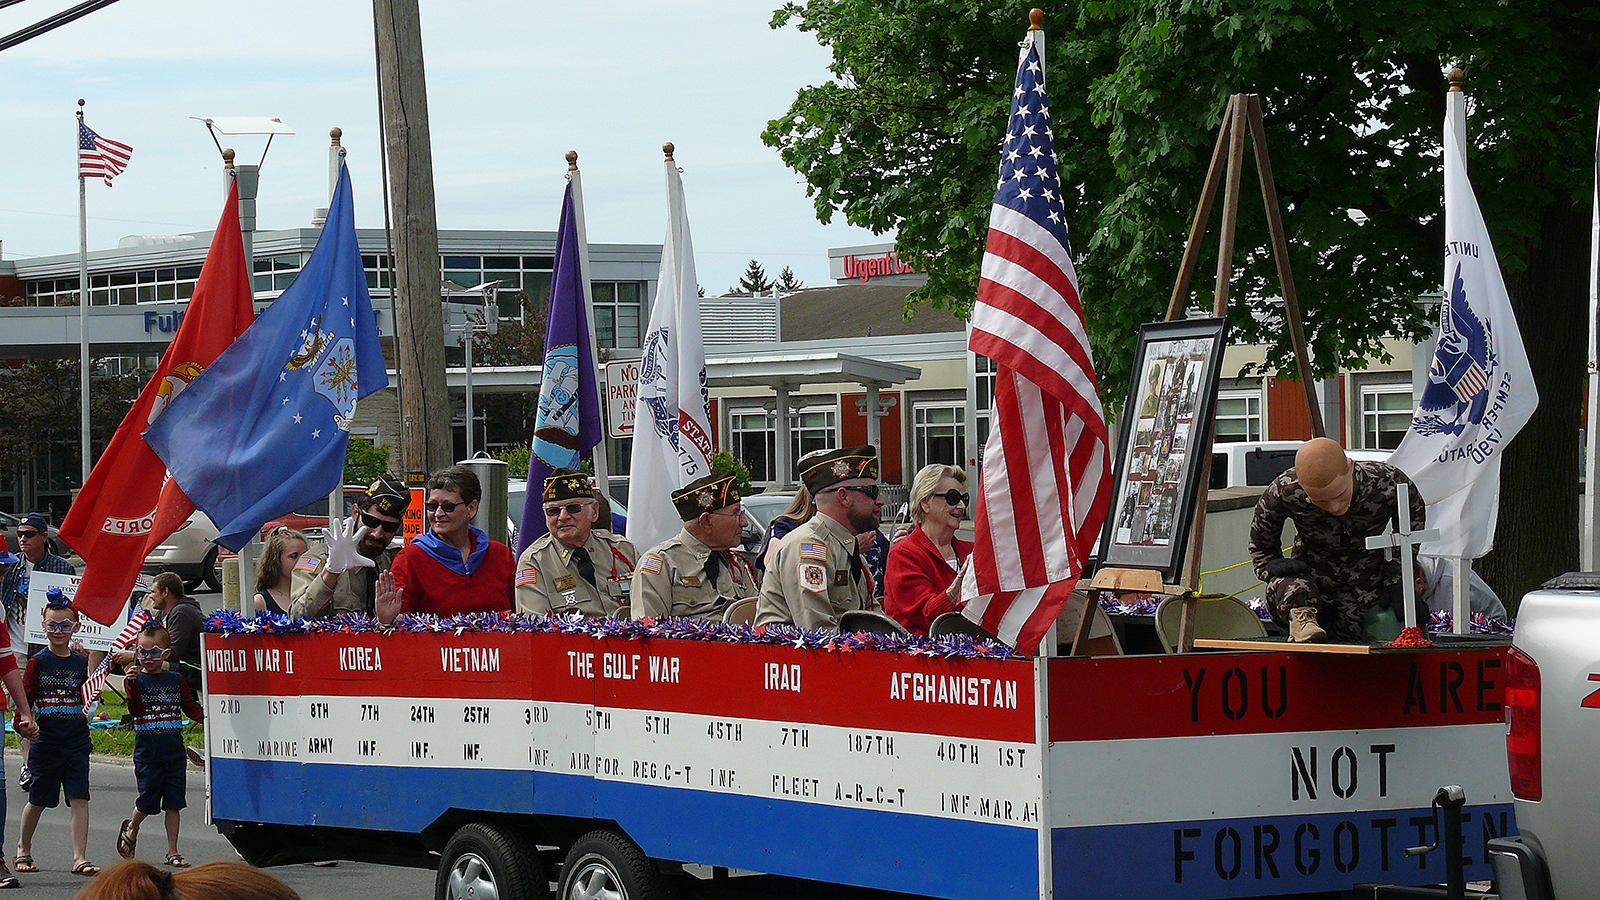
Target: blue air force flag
{"type": "Point", "coordinates": [263, 430]}
{"type": "Point", "coordinates": [1479, 391]}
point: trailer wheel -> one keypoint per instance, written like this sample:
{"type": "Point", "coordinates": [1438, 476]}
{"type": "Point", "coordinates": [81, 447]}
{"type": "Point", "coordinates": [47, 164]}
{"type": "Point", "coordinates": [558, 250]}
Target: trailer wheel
{"type": "Point", "coordinates": [604, 865]}
{"type": "Point", "coordinates": [482, 862]}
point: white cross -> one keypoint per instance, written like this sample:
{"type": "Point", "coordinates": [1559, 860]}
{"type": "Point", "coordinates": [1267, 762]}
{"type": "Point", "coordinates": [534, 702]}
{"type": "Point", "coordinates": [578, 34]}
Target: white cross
{"type": "Point", "coordinates": [1405, 539]}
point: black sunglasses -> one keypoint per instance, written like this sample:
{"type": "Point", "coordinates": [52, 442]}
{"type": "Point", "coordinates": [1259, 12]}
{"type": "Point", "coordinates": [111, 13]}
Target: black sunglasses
{"type": "Point", "coordinates": [571, 509]}
{"type": "Point", "coordinates": [954, 497]}
{"type": "Point", "coordinates": [870, 490]}
{"type": "Point", "coordinates": [445, 505]}
{"type": "Point", "coordinates": [374, 523]}
{"type": "Point", "coordinates": [24, 535]}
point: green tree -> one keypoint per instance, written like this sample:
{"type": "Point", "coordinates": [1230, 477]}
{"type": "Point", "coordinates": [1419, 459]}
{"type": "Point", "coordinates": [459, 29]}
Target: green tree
{"type": "Point", "coordinates": [905, 139]}
{"type": "Point", "coordinates": [787, 281]}
{"type": "Point", "coordinates": [754, 280]}
{"type": "Point", "coordinates": [510, 417]}
{"type": "Point", "coordinates": [364, 461]}
{"type": "Point", "coordinates": [723, 461]}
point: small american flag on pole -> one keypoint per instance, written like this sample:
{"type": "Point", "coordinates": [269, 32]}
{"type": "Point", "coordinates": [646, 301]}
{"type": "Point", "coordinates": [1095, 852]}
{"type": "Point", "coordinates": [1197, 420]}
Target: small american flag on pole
{"type": "Point", "coordinates": [100, 157]}
{"type": "Point", "coordinates": [97, 679]}
{"type": "Point", "coordinates": [1046, 480]}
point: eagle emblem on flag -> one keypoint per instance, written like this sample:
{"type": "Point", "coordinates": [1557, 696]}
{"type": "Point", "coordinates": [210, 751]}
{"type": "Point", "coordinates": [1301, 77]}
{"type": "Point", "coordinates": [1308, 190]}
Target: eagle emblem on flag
{"type": "Point", "coordinates": [1457, 391]}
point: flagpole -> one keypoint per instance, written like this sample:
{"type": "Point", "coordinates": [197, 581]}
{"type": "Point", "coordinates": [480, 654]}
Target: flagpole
{"type": "Point", "coordinates": [602, 459]}
{"type": "Point", "coordinates": [1461, 567]}
{"type": "Point", "coordinates": [83, 312]}
{"type": "Point", "coordinates": [336, 153]}
{"type": "Point", "coordinates": [1591, 509]}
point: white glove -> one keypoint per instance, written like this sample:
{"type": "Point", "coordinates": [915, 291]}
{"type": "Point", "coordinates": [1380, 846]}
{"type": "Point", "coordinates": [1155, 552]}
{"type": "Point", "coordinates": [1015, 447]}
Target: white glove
{"type": "Point", "coordinates": [343, 538]}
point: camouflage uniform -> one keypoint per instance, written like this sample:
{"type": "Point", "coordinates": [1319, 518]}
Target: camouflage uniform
{"type": "Point", "coordinates": [1346, 578]}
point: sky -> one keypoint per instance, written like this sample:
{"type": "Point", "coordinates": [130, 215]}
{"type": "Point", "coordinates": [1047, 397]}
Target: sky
{"type": "Point", "coordinates": [512, 86]}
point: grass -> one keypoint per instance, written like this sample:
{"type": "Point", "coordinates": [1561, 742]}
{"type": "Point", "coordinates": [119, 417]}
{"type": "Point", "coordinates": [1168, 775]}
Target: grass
{"type": "Point", "coordinates": [118, 741]}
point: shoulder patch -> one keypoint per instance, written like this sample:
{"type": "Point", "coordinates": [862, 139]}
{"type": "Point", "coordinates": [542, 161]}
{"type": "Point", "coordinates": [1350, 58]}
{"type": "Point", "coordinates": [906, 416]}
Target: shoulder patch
{"type": "Point", "coordinates": [813, 577]}
{"type": "Point", "coordinates": [813, 550]}
{"type": "Point", "coordinates": [650, 564]}
{"type": "Point", "coordinates": [307, 564]}
{"type": "Point", "coordinates": [527, 577]}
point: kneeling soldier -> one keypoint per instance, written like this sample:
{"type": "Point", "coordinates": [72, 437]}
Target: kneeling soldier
{"type": "Point", "coordinates": [694, 573]}
{"type": "Point", "coordinates": [575, 568]}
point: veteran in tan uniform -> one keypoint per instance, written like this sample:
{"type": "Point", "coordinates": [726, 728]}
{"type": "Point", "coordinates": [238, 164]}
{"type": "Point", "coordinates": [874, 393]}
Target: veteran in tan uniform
{"type": "Point", "coordinates": [575, 567]}
{"type": "Point", "coordinates": [818, 572]}
{"type": "Point", "coordinates": [326, 585]}
{"type": "Point", "coordinates": [694, 574]}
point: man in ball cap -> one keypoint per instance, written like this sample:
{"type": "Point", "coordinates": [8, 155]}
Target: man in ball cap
{"type": "Point", "coordinates": [574, 568]}
{"type": "Point", "coordinates": [818, 572]}
{"type": "Point", "coordinates": [350, 569]}
{"type": "Point", "coordinates": [694, 574]}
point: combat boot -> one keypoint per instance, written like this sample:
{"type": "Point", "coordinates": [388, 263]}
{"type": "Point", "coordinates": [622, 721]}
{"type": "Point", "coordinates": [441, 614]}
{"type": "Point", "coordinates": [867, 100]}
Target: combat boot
{"type": "Point", "coordinates": [1303, 627]}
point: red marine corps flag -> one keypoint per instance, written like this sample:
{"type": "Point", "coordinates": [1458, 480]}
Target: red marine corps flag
{"type": "Point", "coordinates": [1046, 478]}
{"type": "Point", "coordinates": [129, 506]}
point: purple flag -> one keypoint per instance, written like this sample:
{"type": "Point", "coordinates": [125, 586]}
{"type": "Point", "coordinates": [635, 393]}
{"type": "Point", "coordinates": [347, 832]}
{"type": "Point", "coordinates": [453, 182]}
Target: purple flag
{"type": "Point", "coordinates": [568, 426]}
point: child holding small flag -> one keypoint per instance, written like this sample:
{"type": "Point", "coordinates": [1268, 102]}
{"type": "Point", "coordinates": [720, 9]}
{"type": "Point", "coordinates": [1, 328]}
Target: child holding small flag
{"type": "Point", "coordinates": [53, 683]}
{"type": "Point", "coordinates": [158, 701]}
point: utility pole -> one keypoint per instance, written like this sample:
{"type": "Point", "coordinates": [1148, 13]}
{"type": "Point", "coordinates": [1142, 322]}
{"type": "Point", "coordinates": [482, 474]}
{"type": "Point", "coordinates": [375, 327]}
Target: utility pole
{"type": "Point", "coordinates": [425, 438]}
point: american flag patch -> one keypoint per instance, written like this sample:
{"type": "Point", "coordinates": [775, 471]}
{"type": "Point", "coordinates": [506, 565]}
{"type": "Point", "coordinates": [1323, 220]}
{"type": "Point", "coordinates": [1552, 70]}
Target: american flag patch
{"type": "Point", "coordinates": [651, 564]}
{"type": "Point", "coordinates": [527, 577]}
{"type": "Point", "coordinates": [818, 552]}
{"type": "Point", "coordinates": [307, 564]}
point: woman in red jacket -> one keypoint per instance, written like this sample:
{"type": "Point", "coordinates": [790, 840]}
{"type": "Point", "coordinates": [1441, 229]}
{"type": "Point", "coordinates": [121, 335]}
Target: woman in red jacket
{"type": "Point", "coordinates": [922, 576]}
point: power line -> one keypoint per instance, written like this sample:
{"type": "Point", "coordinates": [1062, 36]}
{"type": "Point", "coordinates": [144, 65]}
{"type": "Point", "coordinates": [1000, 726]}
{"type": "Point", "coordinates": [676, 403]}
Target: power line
{"type": "Point", "coordinates": [49, 24]}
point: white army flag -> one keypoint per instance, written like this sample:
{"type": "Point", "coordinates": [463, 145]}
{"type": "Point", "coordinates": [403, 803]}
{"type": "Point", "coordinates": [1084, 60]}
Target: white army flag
{"type": "Point", "coordinates": [672, 431]}
{"type": "Point", "coordinates": [1479, 390]}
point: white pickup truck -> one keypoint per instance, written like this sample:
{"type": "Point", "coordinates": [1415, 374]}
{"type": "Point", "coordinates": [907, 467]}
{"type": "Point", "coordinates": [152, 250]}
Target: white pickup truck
{"type": "Point", "coordinates": [1552, 700]}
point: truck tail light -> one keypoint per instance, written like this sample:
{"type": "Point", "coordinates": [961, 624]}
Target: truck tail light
{"type": "Point", "coordinates": [1522, 726]}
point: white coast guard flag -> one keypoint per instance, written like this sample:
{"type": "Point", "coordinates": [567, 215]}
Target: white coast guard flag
{"type": "Point", "coordinates": [1479, 391]}
{"type": "Point", "coordinates": [672, 430]}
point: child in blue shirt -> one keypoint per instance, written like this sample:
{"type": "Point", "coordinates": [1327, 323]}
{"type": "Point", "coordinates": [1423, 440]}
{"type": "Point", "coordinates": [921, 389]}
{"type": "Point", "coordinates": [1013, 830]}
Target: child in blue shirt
{"type": "Point", "coordinates": [53, 682]}
{"type": "Point", "coordinates": [157, 700]}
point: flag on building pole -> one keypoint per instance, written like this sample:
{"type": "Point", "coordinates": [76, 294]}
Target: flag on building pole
{"type": "Point", "coordinates": [672, 430]}
{"type": "Point", "coordinates": [1479, 390]}
{"type": "Point", "coordinates": [1046, 479]}
{"type": "Point", "coordinates": [263, 431]}
{"type": "Point", "coordinates": [568, 424]}
{"type": "Point", "coordinates": [100, 157]}
{"type": "Point", "coordinates": [128, 506]}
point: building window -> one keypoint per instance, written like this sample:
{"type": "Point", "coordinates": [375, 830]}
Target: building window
{"type": "Point", "coordinates": [275, 273]}
{"type": "Point", "coordinates": [813, 428]}
{"type": "Point", "coordinates": [753, 441]}
{"type": "Point", "coordinates": [1239, 416]}
{"type": "Point", "coordinates": [617, 309]}
{"type": "Point", "coordinates": [938, 433]}
{"type": "Point", "coordinates": [983, 400]}
{"type": "Point", "coordinates": [1385, 415]}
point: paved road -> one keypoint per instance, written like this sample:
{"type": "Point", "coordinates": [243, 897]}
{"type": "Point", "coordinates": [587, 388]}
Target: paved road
{"type": "Point", "coordinates": [112, 789]}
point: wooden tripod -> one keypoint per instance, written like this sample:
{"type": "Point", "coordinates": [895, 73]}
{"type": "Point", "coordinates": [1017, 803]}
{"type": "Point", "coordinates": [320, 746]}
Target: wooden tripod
{"type": "Point", "coordinates": [1243, 113]}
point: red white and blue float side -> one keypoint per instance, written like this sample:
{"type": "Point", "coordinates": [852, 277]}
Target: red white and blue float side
{"type": "Point", "coordinates": [1213, 775]}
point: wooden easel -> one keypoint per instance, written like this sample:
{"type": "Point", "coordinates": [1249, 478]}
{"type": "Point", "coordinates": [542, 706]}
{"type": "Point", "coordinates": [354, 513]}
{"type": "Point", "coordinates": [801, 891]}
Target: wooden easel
{"type": "Point", "coordinates": [1243, 112]}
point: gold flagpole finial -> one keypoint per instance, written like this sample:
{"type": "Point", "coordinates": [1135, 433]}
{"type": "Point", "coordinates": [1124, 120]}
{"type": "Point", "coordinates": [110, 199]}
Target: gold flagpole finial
{"type": "Point", "coordinates": [227, 158]}
{"type": "Point", "coordinates": [1456, 78]}
{"type": "Point", "coordinates": [667, 148]}
{"type": "Point", "coordinates": [1035, 19]}
{"type": "Point", "coordinates": [335, 133]}
{"type": "Point", "coordinates": [572, 160]}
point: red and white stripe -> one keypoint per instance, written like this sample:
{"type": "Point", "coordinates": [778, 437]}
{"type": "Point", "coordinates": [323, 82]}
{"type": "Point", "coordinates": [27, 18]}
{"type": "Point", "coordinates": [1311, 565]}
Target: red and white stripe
{"type": "Point", "coordinates": [1046, 474]}
{"type": "Point", "coordinates": [97, 678]}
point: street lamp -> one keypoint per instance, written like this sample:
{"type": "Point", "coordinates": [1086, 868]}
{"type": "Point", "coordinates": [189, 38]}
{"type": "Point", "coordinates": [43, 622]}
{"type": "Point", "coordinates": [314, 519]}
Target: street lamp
{"type": "Point", "coordinates": [484, 319]}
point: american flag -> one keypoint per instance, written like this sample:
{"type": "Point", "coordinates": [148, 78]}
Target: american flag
{"type": "Point", "coordinates": [97, 680]}
{"type": "Point", "coordinates": [1046, 479]}
{"type": "Point", "coordinates": [100, 157]}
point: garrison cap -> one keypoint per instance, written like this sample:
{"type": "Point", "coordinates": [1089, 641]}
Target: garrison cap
{"type": "Point", "coordinates": [388, 496]}
{"type": "Point", "coordinates": [826, 468]}
{"type": "Point", "coordinates": [565, 484]}
{"type": "Point", "coordinates": [715, 491]}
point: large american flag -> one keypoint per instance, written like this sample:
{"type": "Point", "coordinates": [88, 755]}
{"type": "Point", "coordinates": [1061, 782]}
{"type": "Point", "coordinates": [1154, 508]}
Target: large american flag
{"type": "Point", "coordinates": [100, 157]}
{"type": "Point", "coordinates": [1046, 480]}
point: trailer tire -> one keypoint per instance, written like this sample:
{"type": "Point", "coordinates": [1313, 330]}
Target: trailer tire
{"type": "Point", "coordinates": [604, 865]}
{"type": "Point", "coordinates": [482, 862]}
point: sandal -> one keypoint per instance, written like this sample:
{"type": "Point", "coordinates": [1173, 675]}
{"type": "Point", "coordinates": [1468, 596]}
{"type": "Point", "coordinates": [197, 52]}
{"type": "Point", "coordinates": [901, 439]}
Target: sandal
{"type": "Point", "coordinates": [177, 861]}
{"type": "Point", "coordinates": [23, 862]}
{"type": "Point", "coordinates": [127, 842]}
{"type": "Point", "coordinates": [86, 869]}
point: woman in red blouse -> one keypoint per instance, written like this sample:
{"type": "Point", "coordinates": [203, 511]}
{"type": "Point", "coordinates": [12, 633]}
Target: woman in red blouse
{"type": "Point", "coordinates": [922, 579]}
